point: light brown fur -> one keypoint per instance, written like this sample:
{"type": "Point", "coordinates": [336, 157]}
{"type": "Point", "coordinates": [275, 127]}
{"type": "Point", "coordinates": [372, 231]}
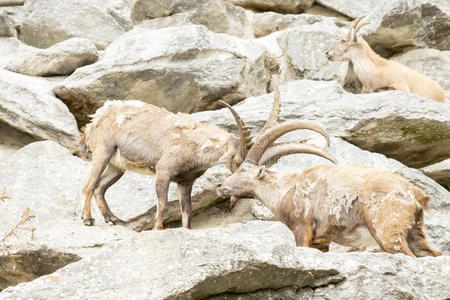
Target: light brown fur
{"type": "Point", "coordinates": [140, 137]}
{"type": "Point", "coordinates": [378, 74]}
{"type": "Point", "coordinates": [340, 204]}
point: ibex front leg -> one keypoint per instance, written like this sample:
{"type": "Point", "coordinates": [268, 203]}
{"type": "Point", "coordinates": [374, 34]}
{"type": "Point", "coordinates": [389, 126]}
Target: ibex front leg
{"type": "Point", "coordinates": [162, 182]}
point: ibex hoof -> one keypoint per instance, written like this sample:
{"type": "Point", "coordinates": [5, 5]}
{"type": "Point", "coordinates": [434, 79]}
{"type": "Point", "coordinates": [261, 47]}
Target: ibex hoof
{"type": "Point", "coordinates": [158, 228]}
{"type": "Point", "coordinates": [88, 221]}
{"type": "Point", "coordinates": [113, 219]}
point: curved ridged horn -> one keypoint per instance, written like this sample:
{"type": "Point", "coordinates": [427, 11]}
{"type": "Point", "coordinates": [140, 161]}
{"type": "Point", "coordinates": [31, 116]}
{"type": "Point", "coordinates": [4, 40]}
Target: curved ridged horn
{"type": "Point", "coordinates": [267, 138]}
{"type": "Point", "coordinates": [276, 106]}
{"type": "Point", "coordinates": [282, 149]}
{"type": "Point", "coordinates": [244, 133]}
{"type": "Point", "coordinates": [358, 27]}
{"type": "Point", "coordinates": [354, 23]}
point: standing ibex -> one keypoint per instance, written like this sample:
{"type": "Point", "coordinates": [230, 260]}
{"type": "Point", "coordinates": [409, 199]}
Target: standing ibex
{"type": "Point", "coordinates": [140, 137]}
{"type": "Point", "coordinates": [379, 74]}
{"type": "Point", "coordinates": [350, 205]}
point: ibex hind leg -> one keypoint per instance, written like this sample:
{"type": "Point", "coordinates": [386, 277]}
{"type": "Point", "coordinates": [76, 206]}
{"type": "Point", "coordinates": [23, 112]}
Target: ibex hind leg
{"type": "Point", "coordinates": [110, 176]}
{"type": "Point", "coordinates": [391, 238]}
{"type": "Point", "coordinates": [100, 159]}
{"type": "Point", "coordinates": [184, 196]}
{"type": "Point", "coordinates": [417, 240]}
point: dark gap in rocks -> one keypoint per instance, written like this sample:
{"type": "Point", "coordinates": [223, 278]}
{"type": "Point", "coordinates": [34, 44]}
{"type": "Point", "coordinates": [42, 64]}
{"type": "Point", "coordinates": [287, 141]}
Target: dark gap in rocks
{"type": "Point", "coordinates": [253, 278]}
{"type": "Point", "coordinates": [27, 265]}
{"type": "Point", "coordinates": [317, 9]}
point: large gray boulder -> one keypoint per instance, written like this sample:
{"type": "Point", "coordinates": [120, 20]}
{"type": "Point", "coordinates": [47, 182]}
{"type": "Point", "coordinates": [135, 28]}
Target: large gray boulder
{"type": "Point", "coordinates": [48, 22]}
{"type": "Point", "coordinates": [27, 104]}
{"type": "Point", "coordinates": [242, 259]}
{"type": "Point", "coordinates": [60, 59]}
{"type": "Point", "coordinates": [217, 15]}
{"type": "Point", "coordinates": [396, 25]}
{"type": "Point", "coordinates": [432, 63]}
{"type": "Point", "coordinates": [282, 6]}
{"type": "Point", "coordinates": [6, 25]}
{"type": "Point", "coordinates": [407, 127]}
{"type": "Point", "coordinates": [184, 69]}
{"type": "Point", "coordinates": [186, 264]}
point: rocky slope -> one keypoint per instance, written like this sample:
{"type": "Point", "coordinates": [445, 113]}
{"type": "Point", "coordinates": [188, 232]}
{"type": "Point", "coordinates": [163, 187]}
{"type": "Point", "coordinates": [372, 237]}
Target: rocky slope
{"type": "Point", "coordinates": [60, 61]}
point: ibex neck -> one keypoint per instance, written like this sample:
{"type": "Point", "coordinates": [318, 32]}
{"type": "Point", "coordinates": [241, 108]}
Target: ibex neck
{"type": "Point", "coordinates": [270, 192]}
{"type": "Point", "coordinates": [366, 62]}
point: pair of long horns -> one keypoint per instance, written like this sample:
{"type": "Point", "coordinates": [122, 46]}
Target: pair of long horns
{"type": "Point", "coordinates": [257, 153]}
{"type": "Point", "coordinates": [356, 26]}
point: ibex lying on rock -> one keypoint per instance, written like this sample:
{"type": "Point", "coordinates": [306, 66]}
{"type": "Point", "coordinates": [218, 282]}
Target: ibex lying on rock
{"type": "Point", "coordinates": [349, 205]}
{"type": "Point", "coordinates": [140, 137]}
{"type": "Point", "coordinates": [379, 74]}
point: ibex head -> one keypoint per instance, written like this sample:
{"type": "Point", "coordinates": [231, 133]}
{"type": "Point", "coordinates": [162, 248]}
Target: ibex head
{"type": "Point", "coordinates": [263, 152]}
{"type": "Point", "coordinates": [342, 50]}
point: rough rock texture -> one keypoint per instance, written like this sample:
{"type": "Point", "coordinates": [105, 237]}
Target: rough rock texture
{"type": "Point", "coordinates": [282, 6]}
{"type": "Point", "coordinates": [430, 62]}
{"type": "Point", "coordinates": [217, 15]}
{"type": "Point", "coordinates": [409, 128]}
{"type": "Point", "coordinates": [304, 48]}
{"type": "Point", "coordinates": [183, 69]}
{"type": "Point", "coordinates": [27, 104]}
{"type": "Point", "coordinates": [401, 24]}
{"type": "Point", "coordinates": [352, 9]}
{"type": "Point", "coordinates": [439, 172]}
{"type": "Point", "coordinates": [268, 22]}
{"type": "Point", "coordinates": [60, 59]}
{"type": "Point", "coordinates": [212, 261]}
{"type": "Point", "coordinates": [48, 22]}
{"type": "Point", "coordinates": [6, 25]}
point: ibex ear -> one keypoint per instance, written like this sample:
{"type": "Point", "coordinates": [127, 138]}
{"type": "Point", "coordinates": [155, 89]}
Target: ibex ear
{"type": "Point", "coordinates": [261, 172]}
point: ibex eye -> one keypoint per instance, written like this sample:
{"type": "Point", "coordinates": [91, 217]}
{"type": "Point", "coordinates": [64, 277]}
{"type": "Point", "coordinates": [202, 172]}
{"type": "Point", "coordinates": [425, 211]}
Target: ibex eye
{"type": "Point", "coordinates": [243, 171]}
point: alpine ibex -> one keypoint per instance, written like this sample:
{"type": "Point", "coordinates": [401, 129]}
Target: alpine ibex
{"type": "Point", "coordinates": [140, 137]}
{"type": "Point", "coordinates": [379, 74]}
{"type": "Point", "coordinates": [349, 205]}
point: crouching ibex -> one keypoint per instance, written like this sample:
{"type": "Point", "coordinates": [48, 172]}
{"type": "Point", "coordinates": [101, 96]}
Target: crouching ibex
{"type": "Point", "coordinates": [350, 205]}
{"type": "Point", "coordinates": [379, 74]}
{"type": "Point", "coordinates": [140, 137]}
